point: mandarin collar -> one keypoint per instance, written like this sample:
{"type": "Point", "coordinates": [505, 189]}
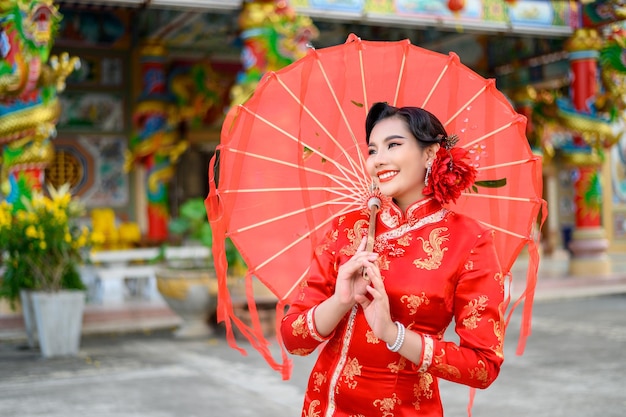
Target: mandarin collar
{"type": "Point", "coordinates": [392, 216]}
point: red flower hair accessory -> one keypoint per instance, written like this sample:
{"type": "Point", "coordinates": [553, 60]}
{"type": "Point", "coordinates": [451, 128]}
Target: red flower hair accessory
{"type": "Point", "coordinates": [450, 174]}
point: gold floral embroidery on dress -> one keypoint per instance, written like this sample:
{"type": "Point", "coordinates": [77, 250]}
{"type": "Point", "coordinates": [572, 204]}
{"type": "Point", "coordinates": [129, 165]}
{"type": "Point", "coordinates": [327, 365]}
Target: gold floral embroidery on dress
{"type": "Point", "coordinates": [480, 373]}
{"type": "Point", "coordinates": [387, 405]}
{"type": "Point", "coordinates": [396, 367]}
{"type": "Point", "coordinates": [498, 330]}
{"type": "Point", "coordinates": [302, 351]}
{"type": "Point", "coordinates": [423, 389]}
{"type": "Point", "coordinates": [414, 301]}
{"type": "Point", "coordinates": [371, 337]}
{"type": "Point", "coordinates": [469, 265]}
{"type": "Point", "coordinates": [318, 379]}
{"type": "Point", "coordinates": [433, 249]}
{"type": "Point", "coordinates": [445, 369]}
{"type": "Point", "coordinates": [299, 326]}
{"type": "Point", "coordinates": [405, 240]}
{"type": "Point", "coordinates": [499, 277]}
{"type": "Point", "coordinates": [473, 316]}
{"type": "Point", "coordinates": [311, 411]}
{"type": "Point", "coordinates": [351, 370]}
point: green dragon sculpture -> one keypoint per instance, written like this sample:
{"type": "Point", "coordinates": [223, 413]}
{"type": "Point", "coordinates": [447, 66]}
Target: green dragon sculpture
{"type": "Point", "coordinates": [29, 81]}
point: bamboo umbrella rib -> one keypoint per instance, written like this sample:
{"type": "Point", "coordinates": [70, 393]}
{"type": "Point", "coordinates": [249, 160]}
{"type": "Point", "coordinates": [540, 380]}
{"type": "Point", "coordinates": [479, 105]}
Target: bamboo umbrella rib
{"type": "Point", "coordinates": [365, 102]}
{"type": "Point", "coordinates": [488, 134]}
{"type": "Point", "coordinates": [286, 215]}
{"type": "Point", "coordinates": [343, 115]}
{"type": "Point", "coordinates": [436, 84]}
{"type": "Point", "coordinates": [400, 75]}
{"type": "Point", "coordinates": [499, 197]}
{"type": "Point", "coordinates": [349, 158]}
{"type": "Point", "coordinates": [298, 240]}
{"type": "Point", "coordinates": [337, 179]}
{"type": "Point", "coordinates": [333, 190]}
{"type": "Point", "coordinates": [296, 283]}
{"type": "Point", "coordinates": [505, 164]}
{"type": "Point", "coordinates": [284, 189]}
{"type": "Point", "coordinates": [508, 232]}
{"type": "Point", "coordinates": [312, 148]}
{"type": "Point", "coordinates": [463, 107]}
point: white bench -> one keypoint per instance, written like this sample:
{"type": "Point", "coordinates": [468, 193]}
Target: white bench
{"type": "Point", "coordinates": [112, 276]}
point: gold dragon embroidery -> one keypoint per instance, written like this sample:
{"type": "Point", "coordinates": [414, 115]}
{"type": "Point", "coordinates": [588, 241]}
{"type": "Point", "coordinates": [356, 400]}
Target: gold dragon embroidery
{"type": "Point", "coordinates": [433, 249]}
{"type": "Point", "coordinates": [354, 236]}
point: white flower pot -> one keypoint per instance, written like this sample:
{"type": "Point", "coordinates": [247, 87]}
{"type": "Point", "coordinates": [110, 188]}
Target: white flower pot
{"type": "Point", "coordinates": [28, 314]}
{"type": "Point", "coordinates": [59, 318]}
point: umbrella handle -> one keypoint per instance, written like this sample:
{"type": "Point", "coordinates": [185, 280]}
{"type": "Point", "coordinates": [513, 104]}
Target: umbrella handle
{"type": "Point", "coordinates": [371, 232]}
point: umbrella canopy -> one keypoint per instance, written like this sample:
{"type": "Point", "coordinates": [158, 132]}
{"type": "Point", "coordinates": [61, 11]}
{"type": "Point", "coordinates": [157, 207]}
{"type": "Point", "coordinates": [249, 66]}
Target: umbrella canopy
{"type": "Point", "coordinates": [292, 158]}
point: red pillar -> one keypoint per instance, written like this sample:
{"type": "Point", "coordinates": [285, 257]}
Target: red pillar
{"type": "Point", "coordinates": [589, 244]}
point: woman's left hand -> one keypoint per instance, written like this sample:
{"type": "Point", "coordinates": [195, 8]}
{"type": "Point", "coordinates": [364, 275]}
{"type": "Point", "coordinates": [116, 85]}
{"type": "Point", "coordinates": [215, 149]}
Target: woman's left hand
{"type": "Point", "coordinates": [376, 306]}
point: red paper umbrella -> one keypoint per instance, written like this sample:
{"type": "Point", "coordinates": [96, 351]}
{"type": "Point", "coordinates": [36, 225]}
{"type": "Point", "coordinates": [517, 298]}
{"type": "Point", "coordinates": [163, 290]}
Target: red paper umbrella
{"type": "Point", "coordinates": [293, 157]}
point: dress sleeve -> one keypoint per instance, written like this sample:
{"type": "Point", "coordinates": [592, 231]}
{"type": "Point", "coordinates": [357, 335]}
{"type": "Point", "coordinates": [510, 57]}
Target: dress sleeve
{"type": "Point", "coordinates": [479, 322]}
{"type": "Point", "coordinates": [297, 328]}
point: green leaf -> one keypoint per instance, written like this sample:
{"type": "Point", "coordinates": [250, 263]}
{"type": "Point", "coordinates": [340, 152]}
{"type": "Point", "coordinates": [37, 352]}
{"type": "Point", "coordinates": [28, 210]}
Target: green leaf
{"type": "Point", "coordinates": [491, 183]}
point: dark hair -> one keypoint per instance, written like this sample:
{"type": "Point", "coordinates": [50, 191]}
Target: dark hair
{"type": "Point", "coordinates": [424, 125]}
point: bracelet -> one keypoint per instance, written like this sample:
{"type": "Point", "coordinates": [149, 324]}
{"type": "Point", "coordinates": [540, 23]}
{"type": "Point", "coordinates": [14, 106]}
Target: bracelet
{"type": "Point", "coordinates": [399, 338]}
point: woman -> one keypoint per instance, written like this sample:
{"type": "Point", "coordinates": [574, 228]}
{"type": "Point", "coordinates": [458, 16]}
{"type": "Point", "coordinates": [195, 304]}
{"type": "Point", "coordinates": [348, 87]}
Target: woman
{"type": "Point", "coordinates": [383, 314]}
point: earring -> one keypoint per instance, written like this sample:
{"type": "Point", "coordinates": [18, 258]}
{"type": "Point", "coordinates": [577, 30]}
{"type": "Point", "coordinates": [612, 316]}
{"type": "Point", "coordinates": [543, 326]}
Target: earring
{"type": "Point", "coordinates": [428, 167]}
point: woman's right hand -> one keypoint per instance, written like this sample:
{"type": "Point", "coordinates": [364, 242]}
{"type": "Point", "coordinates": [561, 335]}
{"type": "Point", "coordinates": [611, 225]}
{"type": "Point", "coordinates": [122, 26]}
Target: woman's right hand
{"type": "Point", "coordinates": [350, 279]}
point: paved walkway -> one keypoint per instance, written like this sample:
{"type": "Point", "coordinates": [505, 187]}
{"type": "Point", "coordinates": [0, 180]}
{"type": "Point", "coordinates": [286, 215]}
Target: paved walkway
{"type": "Point", "coordinates": [574, 366]}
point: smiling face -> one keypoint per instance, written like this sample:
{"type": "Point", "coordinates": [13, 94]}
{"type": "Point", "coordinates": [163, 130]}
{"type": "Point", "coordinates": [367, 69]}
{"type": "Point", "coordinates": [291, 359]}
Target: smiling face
{"type": "Point", "coordinates": [396, 162]}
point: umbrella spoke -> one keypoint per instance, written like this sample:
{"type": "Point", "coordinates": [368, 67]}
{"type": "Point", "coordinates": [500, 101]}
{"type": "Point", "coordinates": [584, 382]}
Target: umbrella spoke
{"type": "Point", "coordinates": [351, 206]}
{"type": "Point", "coordinates": [400, 77]}
{"type": "Point", "coordinates": [337, 165]}
{"type": "Point", "coordinates": [337, 179]}
{"type": "Point", "coordinates": [436, 83]}
{"type": "Point", "coordinates": [362, 67]}
{"type": "Point", "coordinates": [340, 191]}
{"type": "Point", "coordinates": [349, 157]}
{"type": "Point", "coordinates": [508, 232]}
{"type": "Point", "coordinates": [296, 283]}
{"type": "Point", "coordinates": [489, 134]}
{"type": "Point", "coordinates": [500, 197]}
{"type": "Point", "coordinates": [506, 164]}
{"type": "Point", "coordinates": [343, 115]}
{"type": "Point", "coordinates": [463, 107]}
{"type": "Point", "coordinates": [318, 227]}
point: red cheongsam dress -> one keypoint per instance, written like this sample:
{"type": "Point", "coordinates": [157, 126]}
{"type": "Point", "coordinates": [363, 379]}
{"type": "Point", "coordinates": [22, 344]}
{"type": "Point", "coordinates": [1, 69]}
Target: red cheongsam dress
{"type": "Point", "coordinates": [437, 266]}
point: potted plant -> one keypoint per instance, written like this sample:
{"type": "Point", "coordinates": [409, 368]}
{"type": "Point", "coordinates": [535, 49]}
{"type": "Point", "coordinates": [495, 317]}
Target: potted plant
{"type": "Point", "coordinates": [42, 244]}
{"type": "Point", "coordinates": [187, 283]}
